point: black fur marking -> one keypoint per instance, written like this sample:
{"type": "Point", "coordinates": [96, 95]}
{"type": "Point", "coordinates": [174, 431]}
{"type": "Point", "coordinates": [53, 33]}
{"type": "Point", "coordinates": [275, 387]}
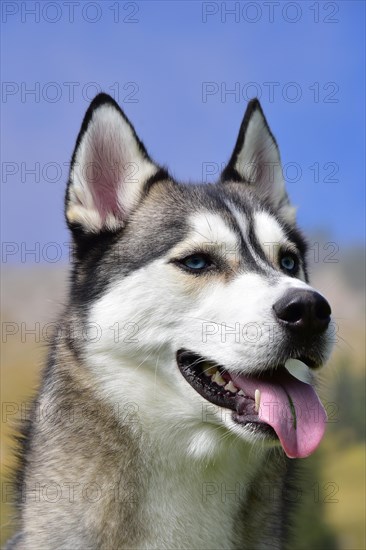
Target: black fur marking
{"type": "Point", "coordinates": [231, 174]}
{"type": "Point", "coordinates": [248, 262]}
{"type": "Point", "coordinates": [242, 205]}
{"type": "Point", "coordinates": [161, 175]}
{"type": "Point", "coordinates": [89, 253]}
{"type": "Point", "coordinates": [248, 204]}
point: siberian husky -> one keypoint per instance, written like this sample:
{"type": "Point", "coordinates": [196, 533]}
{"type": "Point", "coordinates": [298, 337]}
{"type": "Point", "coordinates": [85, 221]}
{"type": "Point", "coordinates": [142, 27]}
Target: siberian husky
{"type": "Point", "coordinates": [181, 382]}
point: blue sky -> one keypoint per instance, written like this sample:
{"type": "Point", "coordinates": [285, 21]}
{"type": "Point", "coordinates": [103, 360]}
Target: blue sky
{"type": "Point", "coordinates": [171, 66]}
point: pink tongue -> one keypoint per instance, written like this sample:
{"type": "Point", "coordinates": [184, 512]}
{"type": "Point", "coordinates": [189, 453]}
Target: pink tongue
{"type": "Point", "coordinates": [292, 408]}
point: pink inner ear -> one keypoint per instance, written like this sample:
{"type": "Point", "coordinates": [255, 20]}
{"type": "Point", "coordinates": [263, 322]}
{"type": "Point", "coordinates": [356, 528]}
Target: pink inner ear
{"type": "Point", "coordinates": [104, 172]}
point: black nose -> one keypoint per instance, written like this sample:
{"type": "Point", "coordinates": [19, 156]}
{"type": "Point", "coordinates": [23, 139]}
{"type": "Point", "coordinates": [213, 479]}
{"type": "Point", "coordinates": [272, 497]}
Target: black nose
{"type": "Point", "coordinates": [304, 311]}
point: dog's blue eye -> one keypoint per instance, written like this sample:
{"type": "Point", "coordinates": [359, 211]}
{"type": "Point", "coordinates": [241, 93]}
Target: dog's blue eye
{"type": "Point", "coordinates": [289, 262]}
{"type": "Point", "coordinates": [196, 262]}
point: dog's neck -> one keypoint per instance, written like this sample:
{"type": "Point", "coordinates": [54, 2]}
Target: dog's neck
{"type": "Point", "coordinates": [192, 501]}
{"type": "Point", "coordinates": [143, 475]}
{"type": "Point", "coordinates": [193, 482]}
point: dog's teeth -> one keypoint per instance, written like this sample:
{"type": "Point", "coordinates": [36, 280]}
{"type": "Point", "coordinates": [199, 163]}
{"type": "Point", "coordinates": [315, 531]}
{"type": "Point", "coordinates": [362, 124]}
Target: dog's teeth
{"type": "Point", "coordinates": [240, 392]}
{"type": "Point", "coordinates": [299, 370]}
{"type": "Point", "coordinates": [230, 387]}
{"type": "Point", "coordinates": [218, 379]}
{"type": "Point", "coordinates": [208, 369]}
{"type": "Point", "coordinates": [257, 399]}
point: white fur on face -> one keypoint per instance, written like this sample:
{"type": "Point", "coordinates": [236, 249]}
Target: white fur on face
{"type": "Point", "coordinates": [268, 230]}
{"type": "Point", "coordinates": [211, 228]}
{"type": "Point", "coordinates": [148, 316]}
{"type": "Point", "coordinates": [209, 232]}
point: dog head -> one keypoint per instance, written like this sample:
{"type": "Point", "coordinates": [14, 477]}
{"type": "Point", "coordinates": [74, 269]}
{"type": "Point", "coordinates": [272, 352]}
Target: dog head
{"type": "Point", "coordinates": [197, 295]}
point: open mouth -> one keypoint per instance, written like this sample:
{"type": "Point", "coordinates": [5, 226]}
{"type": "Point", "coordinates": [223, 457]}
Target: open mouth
{"type": "Point", "coordinates": [280, 404]}
{"type": "Point", "coordinates": [216, 385]}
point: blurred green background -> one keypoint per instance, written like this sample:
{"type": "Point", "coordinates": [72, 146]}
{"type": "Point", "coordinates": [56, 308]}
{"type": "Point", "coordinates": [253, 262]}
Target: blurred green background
{"type": "Point", "coordinates": [331, 509]}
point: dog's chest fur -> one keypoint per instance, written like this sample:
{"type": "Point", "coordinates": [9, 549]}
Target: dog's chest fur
{"type": "Point", "coordinates": [219, 505]}
{"type": "Point", "coordinates": [121, 488]}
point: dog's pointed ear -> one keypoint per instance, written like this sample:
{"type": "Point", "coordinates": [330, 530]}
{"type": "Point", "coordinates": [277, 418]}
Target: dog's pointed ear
{"type": "Point", "coordinates": [256, 162]}
{"type": "Point", "coordinates": [109, 170]}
